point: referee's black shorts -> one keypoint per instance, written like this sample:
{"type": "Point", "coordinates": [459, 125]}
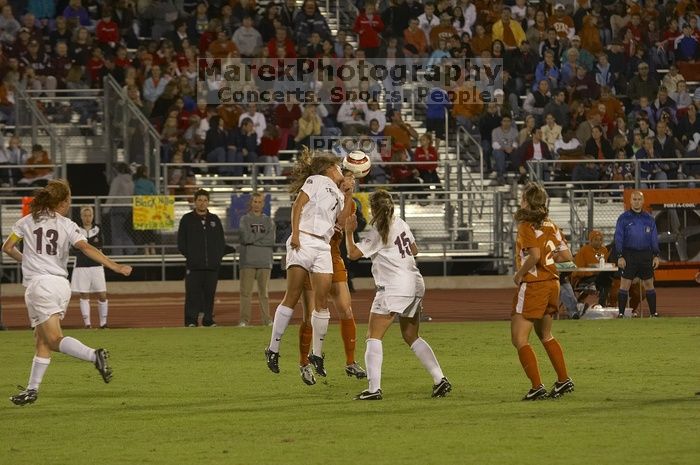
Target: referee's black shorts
{"type": "Point", "coordinates": [638, 264]}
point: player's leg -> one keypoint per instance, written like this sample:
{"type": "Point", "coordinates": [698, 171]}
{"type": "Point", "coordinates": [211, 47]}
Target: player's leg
{"type": "Point", "coordinates": [40, 363]}
{"type": "Point", "coordinates": [646, 274]}
{"type": "Point", "coordinates": [340, 292]}
{"type": "Point", "coordinates": [102, 308]}
{"type": "Point", "coordinates": [295, 286]}
{"type": "Point", "coordinates": [520, 328]}
{"type": "Point", "coordinates": [374, 354]}
{"type": "Point", "coordinates": [320, 316]}
{"type": "Point", "coordinates": [262, 277]}
{"type": "Point", "coordinates": [543, 328]}
{"type": "Point", "coordinates": [305, 334]}
{"type": "Point", "coordinates": [210, 283]}
{"type": "Point", "coordinates": [85, 308]}
{"type": "Point", "coordinates": [409, 320]}
{"type": "Point", "coordinates": [193, 297]}
{"type": "Point", "coordinates": [247, 280]}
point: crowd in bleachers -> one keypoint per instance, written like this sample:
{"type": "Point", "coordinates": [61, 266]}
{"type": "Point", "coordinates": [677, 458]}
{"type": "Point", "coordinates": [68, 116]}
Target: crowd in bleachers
{"type": "Point", "coordinates": [583, 79]}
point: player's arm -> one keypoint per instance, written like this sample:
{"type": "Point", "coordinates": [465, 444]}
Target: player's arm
{"type": "Point", "coordinates": [347, 187]}
{"type": "Point", "coordinates": [533, 256]}
{"type": "Point", "coordinates": [9, 247]}
{"type": "Point", "coordinates": [101, 258]}
{"type": "Point", "coordinates": [354, 253]}
{"type": "Point", "coordinates": [414, 249]}
{"type": "Point", "coordinates": [301, 200]}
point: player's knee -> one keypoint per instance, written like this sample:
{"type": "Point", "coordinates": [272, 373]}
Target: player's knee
{"type": "Point", "coordinates": [409, 337]}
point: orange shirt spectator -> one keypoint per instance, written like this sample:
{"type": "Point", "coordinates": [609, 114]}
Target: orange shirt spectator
{"type": "Point", "coordinates": [223, 47]}
{"type": "Point", "coordinates": [39, 156]}
{"type": "Point", "coordinates": [230, 114]}
{"type": "Point", "coordinates": [413, 35]}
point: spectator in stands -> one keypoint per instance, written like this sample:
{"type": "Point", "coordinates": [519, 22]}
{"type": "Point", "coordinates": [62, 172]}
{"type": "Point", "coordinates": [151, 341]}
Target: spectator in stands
{"type": "Point", "coordinates": [9, 26]}
{"type": "Point", "coordinates": [268, 151]}
{"type": "Point", "coordinates": [310, 20]}
{"type": "Point", "coordinates": [553, 45]}
{"type": "Point", "coordinates": [107, 31]}
{"type": "Point", "coordinates": [216, 145]}
{"type": "Point", "coordinates": [40, 176]}
{"type": "Point", "coordinates": [642, 84]}
{"type": "Point", "coordinates": [508, 31]}
{"type": "Point", "coordinates": [536, 101]}
{"type": "Point", "coordinates": [535, 149]}
{"type": "Point", "coordinates": [309, 125]}
{"type": "Point", "coordinates": [481, 41]}
{"type": "Point", "coordinates": [681, 96]}
{"type": "Point", "coordinates": [286, 116]}
{"type": "Point", "coordinates": [76, 14]}
{"type": "Point", "coordinates": [428, 20]}
{"type": "Point", "coordinates": [399, 131]}
{"type": "Point", "coordinates": [686, 46]}
{"type": "Point", "coordinates": [402, 172]}
{"type": "Point", "coordinates": [546, 70]}
{"type": "Point", "coordinates": [688, 125]}
{"type": "Point", "coordinates": [651, 170]}
{"type": "Point", "coordinates": [537, 31]}
{"type": "Point", "coordinates": [522, 63]}
{"type": "Point", "coordinates": [551, 131]}
{"type": "Point", "coordinates": [7, 101]}
{"type": "Point", "coordinates": [589, 256]}
{"type": "Point", "coordinates": [247, 38]}
{"type": "Point", "coordinates": [437, 111]}
{"type": "Point", "coordinates": [585, 129]}
{"type": "Point", "coordinates": [583, 56]}
{"type": "Point", "coordinates": [368, 26]}
{"type": "Point", "coordinates": [504, 141]}
{"type": "Point", "coordinates": [143, 185]}
{"type": "Point", "coordinates": [671, 79]}
{"type": "Point", "coordinates": [118, 206]}
{"type": "Point", "coordinates": [153, 87]}
{"type": "Point", "coordinates": [426, 152]}
{"type": "Point", "coordinates": [464, 17]}
{"type": "Point", "coordinates": [257, 118]}
{"type": "Point", "coordinates": [562, 23]}
{"type": "Point", "coordinates": [526, 132]}
{"type": "Point", "coordinates": [558, 108]}
{"type": "Point", "coordinates": [245, 141]}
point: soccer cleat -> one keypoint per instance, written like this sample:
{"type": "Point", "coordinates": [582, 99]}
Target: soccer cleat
{"type": "Point", "coordinates": [105, 370]}
{"type": "Point", "coordinates": [562, 388]}
{"type": "Point", "coordinates": [24, 397]}
{"type": "Point", "coordinates": [620, 315]}
{"type": "Point", "coordinates": [654, 315]}
{"type": "Point", "coordinates": [307, 375]}
{"type": "Point", "coordinates": [537, 393]}
{"type": "Point", "coordinates": [317, 362]}
{"type": "Point", "coordinates": [273, 360]}
{"type": "Point", "coordinates": [442, 388]}
{"type": "Point", "coordinates": [366, 395]}
{"type": "Point", "coordinates": [355, 370]}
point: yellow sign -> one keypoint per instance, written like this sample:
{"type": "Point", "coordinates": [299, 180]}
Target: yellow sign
{"type": "Point", "coordinates": [153, 212]}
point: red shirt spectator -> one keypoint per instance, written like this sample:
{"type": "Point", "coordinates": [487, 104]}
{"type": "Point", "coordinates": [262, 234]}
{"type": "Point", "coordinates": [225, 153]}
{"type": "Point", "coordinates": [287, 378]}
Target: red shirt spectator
{"type": "Point", "coordinates": [107, 31]}
{"type": "Point", "coordinates": [94, 68]}
{"type": "Point", "coordinates": [281, 39]}
{"type": "Point", "coordinates": [426, 154]}
{"type": "Point", "coordinates": [286, 114]}
{"type": "Point", "coordinates": [368, 25]}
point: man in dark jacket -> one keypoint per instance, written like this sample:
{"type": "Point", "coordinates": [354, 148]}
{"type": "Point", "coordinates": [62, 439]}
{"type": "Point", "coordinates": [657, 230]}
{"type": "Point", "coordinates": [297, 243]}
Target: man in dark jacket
{"type": "Point", "coordinates": [200, 238]}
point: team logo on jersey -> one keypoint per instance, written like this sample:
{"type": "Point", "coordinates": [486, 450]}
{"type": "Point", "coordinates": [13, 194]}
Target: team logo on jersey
{"type": "Point", "coordinates": [309, 181]}
{"type": "Point", "coordinates": [647, 230]}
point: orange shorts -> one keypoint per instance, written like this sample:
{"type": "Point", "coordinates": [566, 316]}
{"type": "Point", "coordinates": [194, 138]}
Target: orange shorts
{"type": "Point", "coordinates": [537, 299]}
{"type": "Point", "coordinates": [340, 274]}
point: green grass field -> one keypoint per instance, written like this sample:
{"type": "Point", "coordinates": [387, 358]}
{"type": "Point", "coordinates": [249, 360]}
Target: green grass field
{"type": "Point", "coordinates": [205, 396]}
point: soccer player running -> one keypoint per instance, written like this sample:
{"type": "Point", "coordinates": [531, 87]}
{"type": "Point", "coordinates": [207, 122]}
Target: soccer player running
{"type": "Point", "coordinates": [539, 244]}
{"type": "Point", "coordinates": [47, 235]}
{"type": "Point", "coordinates": [400, 289]}
{"type": "Point", "coordinates": [637, 251]}
{"type": "Point", "coordinates": [340, 292]}
{"type": "Point", "coordinates": [319, 205]}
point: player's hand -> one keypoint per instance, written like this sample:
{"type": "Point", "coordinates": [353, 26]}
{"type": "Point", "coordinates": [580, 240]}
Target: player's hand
{"type": "Point", "coordinates": [348, 185]}
{"type": "Point", "coordinates": [338, 227]}
{"type": "Point", "coordinates": [517, 279]}
{"type": "Point", "coordinates": [124, 270]}
{"type": "Point", "coordinates": [351, 223]}
{"type": "Point", "coordinates": [655, 262]}
{"type": "Point", "coordinates": [621, 263]}
{"type": "Point", "coordinates": [294, 242]}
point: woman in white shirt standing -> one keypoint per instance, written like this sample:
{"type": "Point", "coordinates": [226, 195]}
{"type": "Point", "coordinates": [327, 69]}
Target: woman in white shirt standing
{"type": "Point", "coordinates": [319, 206]}
{"type": "Point", "coordinates": [400, 289]}
{"type": "Point", "coordinates": [48, 235]}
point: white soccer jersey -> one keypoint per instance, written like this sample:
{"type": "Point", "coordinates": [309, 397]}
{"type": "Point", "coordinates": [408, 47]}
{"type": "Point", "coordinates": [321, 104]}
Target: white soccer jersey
{"type": "Point", "coordinates": [393, 265]}
{"type": "Point", "coordinates": [46, 245]}
{"type": "Point", "coordinates": [325, 203]}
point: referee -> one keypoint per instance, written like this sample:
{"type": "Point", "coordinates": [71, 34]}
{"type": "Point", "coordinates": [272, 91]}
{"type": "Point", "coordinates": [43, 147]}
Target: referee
{"type": "Point", "coordinates": [637, 249]}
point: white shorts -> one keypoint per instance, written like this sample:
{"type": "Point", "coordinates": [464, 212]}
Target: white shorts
{"type": "Point", "coordinates": [88, 279]}
{"type": "Point", "coordinates": [405, 306]}
{"type": "Point", "coordinates": [45, 296]}
{"type": "Point", "coordinates": [314, 254]}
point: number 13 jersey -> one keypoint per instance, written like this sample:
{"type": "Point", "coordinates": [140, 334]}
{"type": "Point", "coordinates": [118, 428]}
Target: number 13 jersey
{"type": "Point", "coordinates": [46, 245]}
{"type": "Point", "coordinates": [393, 265]}
{"type": "Point", "coordinates": [547, 238]}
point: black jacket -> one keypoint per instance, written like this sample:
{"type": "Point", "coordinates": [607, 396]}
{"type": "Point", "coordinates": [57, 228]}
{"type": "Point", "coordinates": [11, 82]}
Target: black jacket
{"type": "Point", "coordinates": [201, 242]}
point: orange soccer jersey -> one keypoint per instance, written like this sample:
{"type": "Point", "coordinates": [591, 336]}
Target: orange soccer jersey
{"type": "Point", "coordinates": [538, 293]}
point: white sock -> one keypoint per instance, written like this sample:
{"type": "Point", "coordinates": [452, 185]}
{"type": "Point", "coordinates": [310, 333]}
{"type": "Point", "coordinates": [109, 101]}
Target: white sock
{"type": "Point", "coordinates": [279, 326]}
{"type": "Point", "coordinates": [39, 366]}
{"type": "Point", "coordinates": [85, 311]}
{"type": "Point", "coordinates": [319, 323]}
{"type": "Point", "coordinates": [374, 355]}
{"type": "Point", "coordinates": [103, 309]}
{"type": "Point", "coordinates": [427, 358]}
{"type": "Point", "coordinates": [75, 348]}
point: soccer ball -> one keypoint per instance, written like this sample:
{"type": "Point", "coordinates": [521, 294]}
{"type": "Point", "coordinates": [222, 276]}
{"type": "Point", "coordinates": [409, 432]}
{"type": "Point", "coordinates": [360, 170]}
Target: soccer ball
{"type": "Point", "coordinates": [358, 163]}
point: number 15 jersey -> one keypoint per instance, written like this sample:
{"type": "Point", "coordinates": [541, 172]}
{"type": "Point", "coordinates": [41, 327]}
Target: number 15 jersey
{"type": "Point", "coordinates": [547, 238]}
{"type": "Point", "coordinates": [393, 265]}
{"type": "Point", "coordinates": [46, 245]}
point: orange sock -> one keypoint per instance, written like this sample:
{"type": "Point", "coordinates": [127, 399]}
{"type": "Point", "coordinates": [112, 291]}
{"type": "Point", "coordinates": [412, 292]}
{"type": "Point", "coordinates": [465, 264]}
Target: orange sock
{"type": "Point", "coordinates": [305, 334]}
{"type": "Point", "coordinates": [556, 356]}
{"type": "Point", "coordinates": [348, 331]}
{"type": "Point", "coordinates": [528, 360]}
